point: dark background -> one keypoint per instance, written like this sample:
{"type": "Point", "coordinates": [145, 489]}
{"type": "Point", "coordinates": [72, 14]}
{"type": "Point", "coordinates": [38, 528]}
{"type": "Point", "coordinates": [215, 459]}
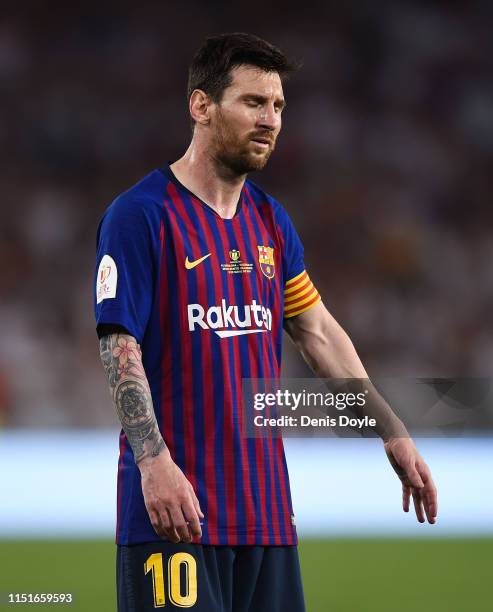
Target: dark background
{"type": "Point", "coordinates": [384, 164]}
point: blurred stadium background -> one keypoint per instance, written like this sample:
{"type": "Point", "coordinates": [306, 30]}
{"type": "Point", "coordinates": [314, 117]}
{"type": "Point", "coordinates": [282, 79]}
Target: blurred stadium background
{"type": "Point", "coordinates": [383, 164]}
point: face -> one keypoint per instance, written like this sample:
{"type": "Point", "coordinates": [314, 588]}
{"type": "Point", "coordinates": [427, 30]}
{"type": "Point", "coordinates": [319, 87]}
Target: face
{"type": "Point", "coordinates": [246, 122]}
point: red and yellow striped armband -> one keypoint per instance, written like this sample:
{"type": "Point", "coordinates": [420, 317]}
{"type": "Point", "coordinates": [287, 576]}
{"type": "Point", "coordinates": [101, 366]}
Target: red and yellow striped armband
{"type": "Point", "coordinates": [299, 295]}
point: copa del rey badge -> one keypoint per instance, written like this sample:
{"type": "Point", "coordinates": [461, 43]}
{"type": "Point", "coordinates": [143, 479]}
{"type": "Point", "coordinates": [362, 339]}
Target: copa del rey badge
{"type": "Point", "coordinates": [266, 260]}
{"type": "Point", "coordinates": [107, 279]}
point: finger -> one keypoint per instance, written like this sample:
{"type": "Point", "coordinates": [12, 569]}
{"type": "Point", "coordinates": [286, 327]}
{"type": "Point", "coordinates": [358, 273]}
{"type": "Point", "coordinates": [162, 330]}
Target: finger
{"type": "Point", "coordinates": [406, 496]}
{"type": "Point", "coordinates": [168, 531]}
{"type": "Point", "coordinates": [179, 523]}
{"type": "Point", "coordinates": [192, 517]}
{"type": "Point", "coordinates": [196, 504]}
{"type": "Point", "coordinates": [171, 531]}
{"type": "Point", "coordinates": [413, 475]}
{"type": "Point", "coordinates": [429, 494]}
{"type": "Point", "coordinates": [418, 506]}
{"type": "Point", "coordinates": [430, 500]}
{"type": "Point", "coordinates": [156, 523]}
{"type": "Point", "coordinates": [162, 526]}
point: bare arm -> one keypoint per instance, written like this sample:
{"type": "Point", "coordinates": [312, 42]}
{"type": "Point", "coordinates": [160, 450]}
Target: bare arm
{"type": "Point", "coordinates": [169, 497]}
{"type": "Point", "coordinates": [330, 353]}
{"type": "Point", "coordinates": [324, 344]}
{"type": "Point", "coordinates": [122, 360]}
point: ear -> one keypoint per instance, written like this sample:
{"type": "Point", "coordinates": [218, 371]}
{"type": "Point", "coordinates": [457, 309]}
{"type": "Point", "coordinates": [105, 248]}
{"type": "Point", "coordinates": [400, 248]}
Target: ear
{"type": "Point", "coordinates": [199, 106]}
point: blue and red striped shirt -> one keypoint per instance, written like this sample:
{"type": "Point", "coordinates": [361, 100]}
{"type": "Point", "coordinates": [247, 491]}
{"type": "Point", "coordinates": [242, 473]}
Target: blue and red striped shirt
{"type": "Point", "coordinates": [205, 298]}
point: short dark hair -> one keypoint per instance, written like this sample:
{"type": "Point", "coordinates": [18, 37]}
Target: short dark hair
{"type": "Point", "coordinates": [211, 66]}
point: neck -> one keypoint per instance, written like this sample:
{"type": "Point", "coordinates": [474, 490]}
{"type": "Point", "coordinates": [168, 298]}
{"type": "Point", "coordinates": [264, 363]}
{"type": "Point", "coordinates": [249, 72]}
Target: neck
{"type": "Point", "coordinates": [210, 180]}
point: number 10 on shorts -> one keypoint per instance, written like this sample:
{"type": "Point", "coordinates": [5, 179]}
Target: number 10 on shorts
{"type": "Point", "coordinates": [184, 595]}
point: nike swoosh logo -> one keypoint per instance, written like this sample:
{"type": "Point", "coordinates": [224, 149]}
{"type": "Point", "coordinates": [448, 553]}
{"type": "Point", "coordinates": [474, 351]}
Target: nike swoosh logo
{"type": "Point", "coordinates": [191, 264]}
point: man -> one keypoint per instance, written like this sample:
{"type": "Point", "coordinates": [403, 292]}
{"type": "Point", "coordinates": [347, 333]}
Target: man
{"type": "Point", "coordinates": [198, 270]}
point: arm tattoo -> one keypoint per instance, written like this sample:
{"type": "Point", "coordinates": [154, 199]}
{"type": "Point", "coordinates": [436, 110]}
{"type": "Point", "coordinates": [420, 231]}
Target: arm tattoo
{"type": "Point", "coordinates": [122, 360]}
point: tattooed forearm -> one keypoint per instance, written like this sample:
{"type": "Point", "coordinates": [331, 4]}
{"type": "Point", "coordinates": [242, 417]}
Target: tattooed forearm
{"type": "Point", "coordinates": [122, 360]}
{"type": "Point", "coordinates": [133, 403]}
{"type": "Point", "coordinates": [105, 350]}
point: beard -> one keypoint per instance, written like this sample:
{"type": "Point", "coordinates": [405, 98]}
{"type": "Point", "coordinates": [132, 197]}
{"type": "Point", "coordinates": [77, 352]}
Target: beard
{"type": "Point", "coordinates": [237, 154]}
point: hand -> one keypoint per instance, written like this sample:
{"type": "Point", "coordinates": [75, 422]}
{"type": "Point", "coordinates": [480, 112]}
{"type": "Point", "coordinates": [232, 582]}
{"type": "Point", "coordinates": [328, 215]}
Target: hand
{"type": "Point", "coordinates": [415, 476]}
{"type": "Point", "coordinates": [173, 507]}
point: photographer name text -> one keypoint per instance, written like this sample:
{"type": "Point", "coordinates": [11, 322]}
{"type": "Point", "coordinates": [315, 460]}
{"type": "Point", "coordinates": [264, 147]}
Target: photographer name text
{"type": "Point", "coordinates": [341, 420]}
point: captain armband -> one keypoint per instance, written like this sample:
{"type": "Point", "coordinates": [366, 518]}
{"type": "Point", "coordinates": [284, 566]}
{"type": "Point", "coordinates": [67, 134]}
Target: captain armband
{"type": "Point", "coordinates": [299, 295]}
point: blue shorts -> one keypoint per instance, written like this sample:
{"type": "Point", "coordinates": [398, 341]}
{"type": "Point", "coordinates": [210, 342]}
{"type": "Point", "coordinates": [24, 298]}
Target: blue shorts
{"type": "Point", "coordinates": [208, 578]}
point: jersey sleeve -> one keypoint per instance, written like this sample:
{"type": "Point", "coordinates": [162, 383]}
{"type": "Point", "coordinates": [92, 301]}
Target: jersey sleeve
{"type": "Point", "coordinates": [125, 267]}
{"type": "Point", "coordinates": [299, 292]}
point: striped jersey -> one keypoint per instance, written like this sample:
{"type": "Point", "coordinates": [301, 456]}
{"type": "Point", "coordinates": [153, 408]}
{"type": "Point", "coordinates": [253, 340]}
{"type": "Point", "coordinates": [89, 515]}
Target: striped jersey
{"type": "Point", "coordinates": [205, 298]}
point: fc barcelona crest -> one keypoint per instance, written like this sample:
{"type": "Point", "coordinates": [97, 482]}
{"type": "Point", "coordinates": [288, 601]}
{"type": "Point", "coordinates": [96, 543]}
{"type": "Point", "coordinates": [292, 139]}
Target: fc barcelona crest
{"type": "Point", "coordinates": [266, 260]}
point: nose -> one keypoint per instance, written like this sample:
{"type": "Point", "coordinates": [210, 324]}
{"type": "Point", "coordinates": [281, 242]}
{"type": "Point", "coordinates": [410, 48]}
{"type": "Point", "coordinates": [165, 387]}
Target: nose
{"type": "Point", "coordinates": [268, 118]}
